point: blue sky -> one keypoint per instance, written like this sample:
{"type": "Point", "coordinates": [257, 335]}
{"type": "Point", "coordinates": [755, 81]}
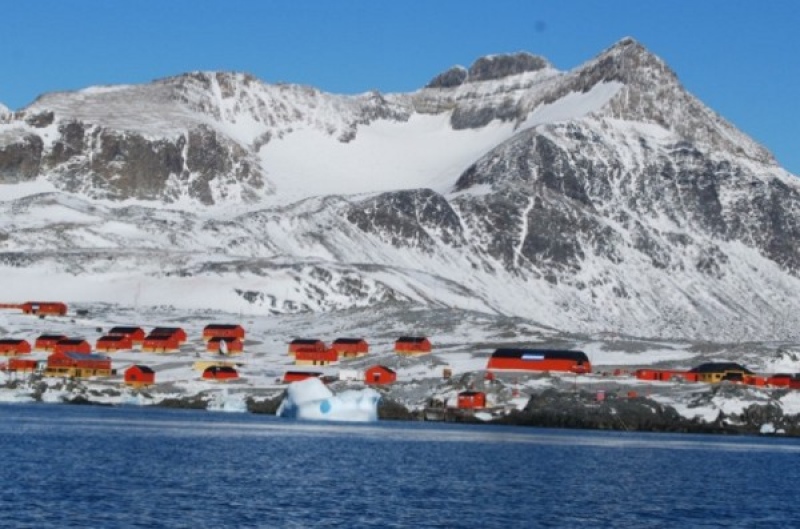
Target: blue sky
{"type": "Point", "coordinates": [739, 57]}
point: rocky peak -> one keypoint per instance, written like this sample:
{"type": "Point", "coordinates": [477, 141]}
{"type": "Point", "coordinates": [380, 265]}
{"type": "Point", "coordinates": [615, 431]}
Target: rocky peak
{"type": "Point", "coordinates": [488, 68]}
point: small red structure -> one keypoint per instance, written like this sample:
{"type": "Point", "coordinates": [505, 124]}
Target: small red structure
{"type": "Point", "coordinates": [113, 342]}
{"type": "Point", "coordinates": [136, 334]}
{"type": "Point", "coordinates": [21, 365]}
{"type": "Point", "coordinates": [412, 345]}
{"type": "Point", "coordinates": [44, 308]}
{"type": "Point", "coordinates": [81, 365]}
{"type": "Point", "coordinates": [306, 345]}
{"type": "Point", "coordinates": [539, 360]}
{"type": "Point", "coordinates": [297, 376]}
{"type": "Point", "coordinates": [140, 376]}
{"type": "Point", "coordinates": [164, 343]}
{"type": "Point", "coordinates": [350, 347]}
{"type": "Point", "coordinates": [73, 345]}
{"type": "Point", "coordinates": [220, 373]}
{"type": "Point", "coordinates": [47, 342]}
{"type": "Point", "coordinates": [227, 346]}
{"type": "Point", "coordinates": [12, 347]}
{"type": "Point", "coordinates": [316, 358]}
{"type": "Point", "coordinates": [174, 332]}
{"type": "Point", "coordinates": [780, 380]}
{"type": "Point", "coordinates": [665, 375]}
{"type": "Point", "coordinates": [379, 375]}
{"type": "Point", "coordinates": [219, 330]}
{"type": "Point", "coordinates": [471, 399]}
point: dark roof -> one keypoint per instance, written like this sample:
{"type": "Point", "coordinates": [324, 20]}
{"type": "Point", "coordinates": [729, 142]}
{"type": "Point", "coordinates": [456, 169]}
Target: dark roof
{"type": "Point", "coordinates": [10, 341]}
{"type": "Point", "coordinates": [85, 356]}
{"type": "Point", "coordinates": [164, 330]}
{"type": "Point", "coordinates": [143, 369]}
{"type": "Point", "coordinates": [222, 326]}
{"type": "Point", "coordinates": [307, 373]}
{"type": "Point", "coordinates": [720, 367]}
{"type": "Point", "coordinates": [72, 341]}
{"type": "Point", "coordinates": [220, 369]}
{"type": "Point", "coordinates": [348, 340]}
{"type": "Point", "coordinates": [413, 339]}
{"type": "Point", "coordinates": [226, 339]}
{"type": "Point", "coordinates": [550, 354]}
{"type": "Point", "coordinates": [470, 393]}
{"type": "Point", "coordinates": [124, 330]}
{"type": "Point", "coordinates": [305, 341]}
{"type": "Point", "coordinates": [51, 337]}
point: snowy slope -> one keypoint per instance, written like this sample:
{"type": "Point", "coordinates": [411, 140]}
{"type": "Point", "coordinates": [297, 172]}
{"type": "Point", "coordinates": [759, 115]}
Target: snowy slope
{"type": "Point", "coordinates": [603, 199]}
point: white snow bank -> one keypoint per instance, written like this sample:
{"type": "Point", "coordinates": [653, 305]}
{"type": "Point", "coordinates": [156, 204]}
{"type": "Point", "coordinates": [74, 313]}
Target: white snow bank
{"type": "Point", "coordinates": [311, 399]}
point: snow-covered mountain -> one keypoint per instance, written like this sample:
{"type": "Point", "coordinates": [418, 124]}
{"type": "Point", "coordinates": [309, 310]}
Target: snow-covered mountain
{"type": "Point", "coordinates": [602, 199]}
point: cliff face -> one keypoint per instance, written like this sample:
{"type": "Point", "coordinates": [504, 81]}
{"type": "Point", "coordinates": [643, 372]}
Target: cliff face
{"type": "Point", "coordinates": [606, 198]}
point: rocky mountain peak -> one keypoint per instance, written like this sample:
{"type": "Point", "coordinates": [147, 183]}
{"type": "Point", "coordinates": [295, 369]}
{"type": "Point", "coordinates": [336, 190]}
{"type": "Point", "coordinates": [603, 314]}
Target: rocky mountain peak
{"type": "Point", "coordinates": [489, 68]}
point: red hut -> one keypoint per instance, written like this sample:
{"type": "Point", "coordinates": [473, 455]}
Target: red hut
{"type": "Point", "coordinates": [539, 360]}
{"type": "Point", "coordinates": [220, 373]}
{"type": "Point", "coordinates": [780, 380]}
{"type": "Point", "coordinates": [471, 399]}
{"type": "Point", "coordinates": [136, 334]}
{"type": "Point", "coordinates": [665, 375]}
{"type": "Point", "coordinates": [164, 343]}
{"type": "Point", "coordinates": [44, 308]}
{"type": "Point", "coordinates": [306, 345]}
{"type": "Point", "coordinates": [316, 358]}
{"type": "Point", "coordinates": [47, 342]}
{"type": "Point", "coordinates": [297, 376]}
{"type": "Point", "coordinates": [22, 365]}
{"type": "Point", "coordinates": [412, 345]}
{"type": "Point", "coordinates": [113, 342]}
{"type": "Point", "coordinates": [379, 375]}
{"type": "Point", "coordinates": [227, 346]}
{"type": "Point", "coordinates": [73, 345]}
{"type": "Point", "coordinates": [140, 376]}
{"type": "Point", "coordinates": [175, 332]}
{"type": "Point", "coordinates": [350, 347]}
{"type": "Point", "coordinates": [12, 347]}
{"type": "Point", "coordinates": [218, 330]}
{"type": "Point", "coordinates": [81, 365]}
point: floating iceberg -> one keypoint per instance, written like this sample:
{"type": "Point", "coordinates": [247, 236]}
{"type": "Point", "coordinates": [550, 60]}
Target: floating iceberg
{"type": "Point", "coordinates": [311, 399]}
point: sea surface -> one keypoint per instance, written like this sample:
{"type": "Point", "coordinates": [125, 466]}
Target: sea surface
{"type": "Point", "coordinates": [123, 467]}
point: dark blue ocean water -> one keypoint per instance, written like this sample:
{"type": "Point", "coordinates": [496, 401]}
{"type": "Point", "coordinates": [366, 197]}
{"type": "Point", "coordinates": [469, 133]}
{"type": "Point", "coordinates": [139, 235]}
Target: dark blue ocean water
{"type": "Point", "coordinates": [74, 466]}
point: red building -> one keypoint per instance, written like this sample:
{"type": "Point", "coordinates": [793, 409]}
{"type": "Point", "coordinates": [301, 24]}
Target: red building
{"type": "Point", "coordinates": [297, 376]}
{"type": "Point", "coordinates": [221, 373]}
{"type": "Point", "coordinates": [164, 343]}
{"type": "Point", "coordinates": [44, 308]}
{"type": "Point", "coordinates": [113, 342]}
{"type": "Point", "coordinates": [174, 332]}
{"type": "Point", "coordinates": [665, 375]}
{"type": "Point", "coordinates": [47, 342]}
{"type": "Point", "coordinates": [79, 365]}
{"type": "Point", "coordinates": [136, 334]}
{"type": "Point", "coordinates": [232, 346]}
{"type": "Point", "coordinates": [350, 347]}
{"type": "Point", "coordinates": [140, 376]}
{"type": "Point", "coordinates": [12, 347]}
{"type": "Point", "coordinates": [73, 345]}
{"type": "Point", "coordinates": [780, 380]}
{"type": "Point", "coordinates": [471, 399]}
{"type": "Point", "coordinates": [379, 375]}
{"type": "Point", "coordinates": [218, 330]}
{"type": "Point", "coordinates": [22, 365]}
{"type": "Point", "coordinates": [316, 358]}
{"type": "Point", "coordinates": [306, 345]}
{"type": "Point", "coordinates": [539, 360]}
{"type": "Point", "coordinates": [412, 345]}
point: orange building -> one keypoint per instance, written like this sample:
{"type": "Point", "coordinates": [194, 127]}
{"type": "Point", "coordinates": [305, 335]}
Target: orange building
{"type": "Point", "coordinates": [220, 373]}
{"type": "Point", "coordinates": [379, 375]}
{"type": "Point", "coordinates": [219, 330]}
{"type": "Point", "coordinates": [174, 332]}
{"type": "Point", "coordinates": [113, 342]}
{"type": "Point", "coordinates": [79, 365]}
{"type": "Point", "coordinates": [228, 346]}
{"type": "Point", "coordinates": [316, 358]}
{"type": "Point", "coordinates": [20, 365]}
{"type": "Point", "coordinates": [539, 360]}
{"type": "Point", "coordinates": [350, 347]}
{"type": "Point", "coordinates": [44, 308]}
{"type": "Point", "coordinates": [471, 399]}
{"type": "Point", "coordinates": [47, 342]}
{"type": "Point", "coordinates": [164, 343]}
{"type": "Point", "coordinates": [297, 376]}
{"type": "Point", "coordinates": [73, 345]}
{"type": "Point", "coordinates": [12, 347]}
{"type": "Point", "coordinates": [136, 334]}
{"type": "Point", "coordinates": [306, 345]}
{"type": "Point", "coordinates": [140, 376]}
{"type": "Point", "coordinates": [412, 345]}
